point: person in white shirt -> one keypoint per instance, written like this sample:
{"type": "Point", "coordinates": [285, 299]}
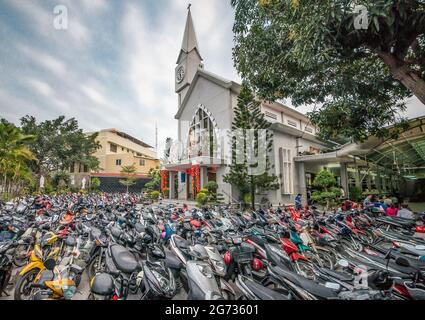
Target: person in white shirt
{"type": "Point", "coordinates": [405, 212]}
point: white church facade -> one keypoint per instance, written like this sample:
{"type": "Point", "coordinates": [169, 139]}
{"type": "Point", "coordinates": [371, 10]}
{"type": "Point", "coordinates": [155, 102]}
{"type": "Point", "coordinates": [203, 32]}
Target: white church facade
{"type": "Point", "coordinates": [206, 104]}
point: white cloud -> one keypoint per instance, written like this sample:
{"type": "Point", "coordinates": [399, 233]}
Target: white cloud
{"type": "Point", "coordinates": [44, 60]}
{"type": "Point", "coordinates": [94, 94]}
{"type": "Point", "coordinates": [40, 87]}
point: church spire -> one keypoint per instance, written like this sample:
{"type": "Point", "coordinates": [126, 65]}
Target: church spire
{"type": "Point", "coordinates": [190, 41]}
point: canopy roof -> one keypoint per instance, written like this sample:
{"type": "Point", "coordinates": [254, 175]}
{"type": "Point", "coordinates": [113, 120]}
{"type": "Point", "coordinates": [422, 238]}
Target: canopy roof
{"type": "Point", "coordinates": [404, 155]}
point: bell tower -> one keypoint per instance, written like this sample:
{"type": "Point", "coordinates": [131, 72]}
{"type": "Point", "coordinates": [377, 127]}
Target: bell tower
{"type": "Point", "coordinates": [189, 59]}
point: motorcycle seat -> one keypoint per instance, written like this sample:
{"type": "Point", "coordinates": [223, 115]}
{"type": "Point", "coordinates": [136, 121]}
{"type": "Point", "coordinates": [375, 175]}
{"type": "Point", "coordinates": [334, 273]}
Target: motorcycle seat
{"type": "Point", "coordinates": [338, 275]}
{"type": "Point", "coordinates": [263, 293]}
{"type": "Point", "coordinates": [312, 287]}
{"type": "Point", "coordinates": [182, 243]}
{"type": "Point", "coordinates": [124, 259]}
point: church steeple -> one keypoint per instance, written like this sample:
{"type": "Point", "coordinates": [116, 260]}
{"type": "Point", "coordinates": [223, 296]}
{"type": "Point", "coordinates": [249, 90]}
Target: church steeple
{"type": "Point", "coordinates": [190, 41]}
{"type": "Point", "coordinates": [189, 59]}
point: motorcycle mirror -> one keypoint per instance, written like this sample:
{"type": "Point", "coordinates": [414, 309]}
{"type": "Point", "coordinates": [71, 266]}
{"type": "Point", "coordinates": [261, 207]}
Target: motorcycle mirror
{"type": "Point", "coordinates": [402, 262]}
{"type": "Point", "coordinates": [50, 264]}
{"type": "Point", "coordinates": [343, 263]}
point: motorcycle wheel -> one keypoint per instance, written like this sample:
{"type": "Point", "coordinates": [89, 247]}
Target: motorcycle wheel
{"type": "Point", "coordinates": [22, 292]}
{"type": "Point", "coordinates": [20, 258]}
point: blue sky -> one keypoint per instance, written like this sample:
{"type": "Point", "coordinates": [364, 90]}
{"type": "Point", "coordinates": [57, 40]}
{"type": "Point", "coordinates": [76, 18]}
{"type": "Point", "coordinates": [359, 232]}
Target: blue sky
{"type": "Point", "coordinates": [114, 65]}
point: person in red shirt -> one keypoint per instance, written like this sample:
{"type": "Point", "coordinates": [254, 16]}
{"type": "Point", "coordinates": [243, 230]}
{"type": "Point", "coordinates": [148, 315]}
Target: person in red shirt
{"type": "Point", "coordinates": [391, 210]}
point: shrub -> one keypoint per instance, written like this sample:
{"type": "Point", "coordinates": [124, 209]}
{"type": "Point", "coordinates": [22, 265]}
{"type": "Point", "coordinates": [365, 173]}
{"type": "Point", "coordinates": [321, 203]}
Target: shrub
{"type": "Point", "coordinates": [327, 193]}
{"type": "Point", "coordinates": [201, 199]}
{"type": "Point", "coordinates": [95, 183]}
{"type": "Point", "coordinates": [212, 187]}
{"type": "Point", "coordinates": [356, 194]}
{"type": "Point", "coordinates": [247, 199]}
{"type": "Point", "coordinates": [155, 195]}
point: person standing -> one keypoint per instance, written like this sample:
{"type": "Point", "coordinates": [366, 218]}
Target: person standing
{"type": "Point", "coordinates": [298, 205]}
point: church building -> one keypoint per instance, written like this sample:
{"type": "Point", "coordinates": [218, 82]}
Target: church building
{"type": "Point", "coordinates": [206, 104]}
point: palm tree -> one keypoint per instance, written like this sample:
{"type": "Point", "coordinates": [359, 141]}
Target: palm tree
{"type": "Point", "coordinates": [14, 156]}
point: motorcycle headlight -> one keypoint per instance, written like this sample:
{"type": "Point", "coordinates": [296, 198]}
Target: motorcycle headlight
{"type": "Point", "coordinates": [219, 266]}
{"type": "Point", "coordinates": [163, 282]}
{"type": "Point", "coordinates": [206, 271]}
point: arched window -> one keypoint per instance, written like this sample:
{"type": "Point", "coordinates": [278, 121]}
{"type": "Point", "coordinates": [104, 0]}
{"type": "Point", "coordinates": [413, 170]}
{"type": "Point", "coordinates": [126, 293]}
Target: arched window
{"type": "Point", "coordinates": [202, 137]}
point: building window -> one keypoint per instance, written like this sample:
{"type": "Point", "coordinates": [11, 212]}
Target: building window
{"type": "Point", "coordinates": [86, 168]}
{"type": "Point", "coordinates": [118, 162]}
{"type": "Point", "coordinates": [183, 178]}
{"type": "Point", "coordinates": [285, 163]}
{"type": "Point", "coordinates": [113, 148]}
{"type": "Point", "coordinates": [308, 129]}
{"type": "Point", "coordinates": [122, 148]}
{"type": "Point", "coordinates": [72, 168]}
{"type": "Point", "coordinates": [271, 115]}
{"type": "Point", "coordinates": [142, 162]}
{"type": "Point", "coordinates": [292, 123]}
{"type": "Point", "coordinates": [202, 139]}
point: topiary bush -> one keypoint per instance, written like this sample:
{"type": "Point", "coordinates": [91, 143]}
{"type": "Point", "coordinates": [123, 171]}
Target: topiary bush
{"type": "Point", "coordinates": [201, 199]}
{"type": "Point", "coordinates": [327, 193]}
{"type": "Point", "coordinates": [155, 195]}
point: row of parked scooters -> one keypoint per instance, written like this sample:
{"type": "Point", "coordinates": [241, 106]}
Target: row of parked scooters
{"type": "Point", "coordinates": [132, 251]}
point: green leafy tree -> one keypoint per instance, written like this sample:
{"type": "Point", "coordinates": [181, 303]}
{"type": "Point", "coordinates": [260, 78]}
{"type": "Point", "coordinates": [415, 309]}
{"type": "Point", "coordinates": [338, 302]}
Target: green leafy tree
{"type": "Point", "coordinates": [155, 175]}
{"type": "Point", "coordinates": [14, 158]}
{"type": "Point", "coordinates": [327, 193]}
{"type": "Point", "coordinates": [58, 144]}
{"type": "Point", "coordinates": [95, 183]}
{"type": "Point", "coordinates": [248, 116]}
{"type": "Point", "coordinates": [129, 173]}
{"type": "Point", "coordinates": [314, 52]}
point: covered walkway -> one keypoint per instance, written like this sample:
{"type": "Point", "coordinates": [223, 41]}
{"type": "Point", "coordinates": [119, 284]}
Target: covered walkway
{"type": "Point", "coordinates": [378, 166]}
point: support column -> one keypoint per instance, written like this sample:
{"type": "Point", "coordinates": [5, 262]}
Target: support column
{"type": "Point", "coordinates": [369, 182]}
{"type": "Point", "coordinates": [384, 182]}
{"type": "Point", "coordinates": [357, 179]}
{"type": "Point", "coordinates": [344, 177]}
{"type": "Point", "coordinates": [171, 184]}
{"type": "Point", "coordinates": [203, 175]}
{"type": "Point", "coordinates": [378, 180]}
{"type": "Point", "coordinates": [302, 188]}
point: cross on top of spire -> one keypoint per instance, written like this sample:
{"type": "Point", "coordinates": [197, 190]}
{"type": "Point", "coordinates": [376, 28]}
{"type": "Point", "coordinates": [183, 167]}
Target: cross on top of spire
{"type": "Point", "coordinates": [190, 41]}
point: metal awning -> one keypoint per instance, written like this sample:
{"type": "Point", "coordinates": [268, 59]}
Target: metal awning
{"type": "Point", "coordinates": [404, 155]}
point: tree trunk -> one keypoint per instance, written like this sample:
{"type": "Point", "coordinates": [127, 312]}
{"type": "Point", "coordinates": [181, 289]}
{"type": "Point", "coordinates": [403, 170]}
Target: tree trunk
{"type": "Point", "coordinates": [252, 193]}
{"type": "Point", "coordinates": [401, 72]}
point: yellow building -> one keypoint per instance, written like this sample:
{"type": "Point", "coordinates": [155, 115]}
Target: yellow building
{"type": "Point", "coordinates": [117, 149]}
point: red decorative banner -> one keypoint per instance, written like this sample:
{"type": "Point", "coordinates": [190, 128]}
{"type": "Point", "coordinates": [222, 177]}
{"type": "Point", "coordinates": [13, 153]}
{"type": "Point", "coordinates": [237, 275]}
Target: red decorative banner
{"type": "Point", "coordinates": [196, 179]}
{"type": "Point", "coordinates": [164, 176]}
